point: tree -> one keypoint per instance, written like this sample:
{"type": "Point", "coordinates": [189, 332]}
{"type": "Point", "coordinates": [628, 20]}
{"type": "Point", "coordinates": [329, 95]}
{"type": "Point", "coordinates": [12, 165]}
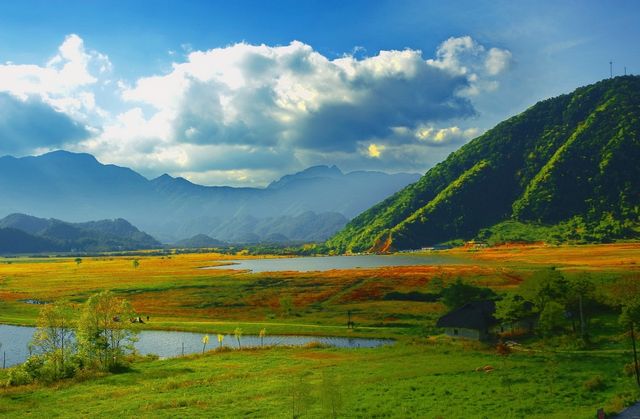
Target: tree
{"type": "Point", "coordinates": [135, 263]}
{"type": "Point", "coordinates": [551, 318]}
{"type": "Point", "coordinates": [105, 331]}
{"type": "Point", "coordinates": [544, 286]}
{"type": "Point", "coordinates": [623, 291]}
{"type": "Point", "coordinates": [512, 308]}
{"type": "Point", "coordinates": [580, 294]}
{"type": "Point", "coordinates": [54, 337]}
{"type": "Point", "coordinates": [630, 317]}
{"type": "Point", "coordinates": [78, 261]}
{"type": "Point", "coordinates": [459, 293]}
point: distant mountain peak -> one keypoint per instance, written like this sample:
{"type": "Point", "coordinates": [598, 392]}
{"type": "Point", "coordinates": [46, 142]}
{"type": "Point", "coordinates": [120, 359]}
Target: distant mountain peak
{"type": "Point", "coordinates": [313, 172]}
{"type": "Point", "coordinates": [321, 170]}
{"type": "Point", "coordinates": [163, 177]}
{"type": "Point", "coordinates": [64, 154]}
{"type": "Point", "coordinates": [76, 187]}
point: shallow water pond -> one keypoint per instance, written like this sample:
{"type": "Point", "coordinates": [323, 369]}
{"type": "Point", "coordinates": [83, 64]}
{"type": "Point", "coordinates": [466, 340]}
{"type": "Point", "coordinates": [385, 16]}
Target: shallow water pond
{"type": "Point", "coordinates": [326, 263]}
{"type": "Point", "coordinates": [15, 342]}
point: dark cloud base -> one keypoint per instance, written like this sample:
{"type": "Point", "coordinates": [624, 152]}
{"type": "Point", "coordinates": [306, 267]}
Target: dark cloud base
{"type": "Point", "coordinates": [31, 124]}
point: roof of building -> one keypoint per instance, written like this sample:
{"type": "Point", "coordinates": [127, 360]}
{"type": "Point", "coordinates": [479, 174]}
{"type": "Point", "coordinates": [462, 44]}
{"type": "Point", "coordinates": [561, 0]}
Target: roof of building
{"type": "Point", "coordinates": [475, 315]}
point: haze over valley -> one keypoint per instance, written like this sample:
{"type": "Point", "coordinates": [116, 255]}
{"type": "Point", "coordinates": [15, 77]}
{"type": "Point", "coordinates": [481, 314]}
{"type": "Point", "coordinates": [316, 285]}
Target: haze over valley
{"type": "Point", "coordinates": [310, 206]}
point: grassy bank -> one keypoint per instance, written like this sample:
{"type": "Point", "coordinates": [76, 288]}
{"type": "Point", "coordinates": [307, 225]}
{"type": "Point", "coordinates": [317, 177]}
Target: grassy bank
{"type": "Point", "coordinates": [411, 379]}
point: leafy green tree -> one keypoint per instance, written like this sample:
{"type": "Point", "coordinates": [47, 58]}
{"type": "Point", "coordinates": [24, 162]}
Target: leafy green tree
{"type": "Point", "coordinates": [459, 293]}
{"type": "Point", "coordinates": [105, 331]}
{"type": "Point", "coordinates": [581, 291]}
{"type": "Point", "coordinates": [53, 338]}
{"type": "Point", "coordinates": [544, 286]}
{"type": "Point", "coordinates": [622, 291]}
{"type": "Point", "coordinates": [551, 318]}
{"type": "Point", "coordinates": [511, 308]}
{"type": "Point", "coordinates": [630, 318]}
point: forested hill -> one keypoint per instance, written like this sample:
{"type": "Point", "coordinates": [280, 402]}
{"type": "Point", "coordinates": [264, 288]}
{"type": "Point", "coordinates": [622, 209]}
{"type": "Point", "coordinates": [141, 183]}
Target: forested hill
{"type": "Point", "coordinates": [566, 169]}
{"type": "Point", "coordinates": [20, 233]}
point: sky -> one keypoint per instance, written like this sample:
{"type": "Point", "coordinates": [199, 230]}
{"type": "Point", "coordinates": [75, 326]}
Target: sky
{"type": "Point", "coordinates": [240, 93]}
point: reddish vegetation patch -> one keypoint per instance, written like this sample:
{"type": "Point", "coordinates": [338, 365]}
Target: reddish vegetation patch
{"type": "Point", "coordinates": [312, 296]}
{"type": "Point", "coordinates": [595, 256]}
{"type": "Point", "coordinates": [175, 287]}
{"type": "Point", "coordinates": [14, 296]}
{"type": "Point", "coordinates": [369, 290]}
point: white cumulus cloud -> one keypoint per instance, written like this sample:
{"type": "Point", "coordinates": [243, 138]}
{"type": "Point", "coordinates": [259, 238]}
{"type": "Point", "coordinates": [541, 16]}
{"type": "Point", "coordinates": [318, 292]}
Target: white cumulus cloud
{"type": "Point", "coordinates": [275, 99]}
{"type": "Point", "coordinates": [244, 109]}
{"type": "Point", "coordinates": [64, 82]}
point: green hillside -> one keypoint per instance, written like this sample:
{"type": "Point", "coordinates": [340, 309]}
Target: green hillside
{"type": "Point", "coordinates": [566, 169]}
{"type": "Point", "coordinates": [21, 233]}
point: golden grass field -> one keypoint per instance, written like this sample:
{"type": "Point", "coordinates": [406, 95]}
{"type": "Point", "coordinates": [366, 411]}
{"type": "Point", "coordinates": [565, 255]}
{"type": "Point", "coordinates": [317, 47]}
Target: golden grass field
{"type": "Point", "coordinates": [175, 293]}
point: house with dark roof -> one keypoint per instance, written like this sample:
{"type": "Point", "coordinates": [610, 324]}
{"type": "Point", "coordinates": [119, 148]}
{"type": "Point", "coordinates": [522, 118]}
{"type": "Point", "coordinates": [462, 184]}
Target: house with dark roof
{"type": "Point", "coordinates": [473, 320]}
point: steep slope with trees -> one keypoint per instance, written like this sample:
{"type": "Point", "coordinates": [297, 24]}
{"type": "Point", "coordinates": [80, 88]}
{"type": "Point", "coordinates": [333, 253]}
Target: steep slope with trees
{"type": "Point", "coordinates": [567, 164]}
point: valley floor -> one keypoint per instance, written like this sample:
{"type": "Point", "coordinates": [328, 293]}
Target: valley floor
{"type": "Point", "coordinates": [422, 375]}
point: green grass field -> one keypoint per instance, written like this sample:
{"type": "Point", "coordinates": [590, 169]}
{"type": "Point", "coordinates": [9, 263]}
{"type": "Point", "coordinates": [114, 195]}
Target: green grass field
{"type": "Point", "coordinates": [422, 375]}
{"type": "Point", "coordinates": [411, 379]}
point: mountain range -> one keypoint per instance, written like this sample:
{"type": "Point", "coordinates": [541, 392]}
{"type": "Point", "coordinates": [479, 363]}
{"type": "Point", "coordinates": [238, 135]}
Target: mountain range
{"type": "Point", "coordinates": [20, 233]}
{"type": "Point", "coordinates": [307, 206]}
{"type": "Point", "coordinates": [566, 169]}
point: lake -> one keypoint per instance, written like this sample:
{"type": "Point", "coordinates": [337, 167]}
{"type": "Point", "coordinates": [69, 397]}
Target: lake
{"type": "Point", "coordinates": [167, 344]}
{"type": "Point", "coordinates": [326, 263]}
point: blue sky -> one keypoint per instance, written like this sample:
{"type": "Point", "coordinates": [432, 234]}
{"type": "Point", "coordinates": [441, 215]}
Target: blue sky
{"type": "Point", "coordinates": [220, 93]}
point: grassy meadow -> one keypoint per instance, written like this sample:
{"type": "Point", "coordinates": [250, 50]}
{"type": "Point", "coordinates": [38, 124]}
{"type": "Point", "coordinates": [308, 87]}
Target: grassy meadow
{"type": "Point", "coordinates": [423, 375]}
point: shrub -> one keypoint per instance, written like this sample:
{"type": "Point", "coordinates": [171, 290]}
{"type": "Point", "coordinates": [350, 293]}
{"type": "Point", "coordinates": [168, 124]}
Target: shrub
{"type": "Point", "coordinates": [18, 377]}
{"type": "Point", "coordinates": [459, 293]}
{"type": "Point", "coordinates": [629, 369]}
{"type": "Point", "coordinates": [595, 383]}
{"type": "Point", "coordinates": [411, 296]}
{"type": "Point", "coordinates": [502, 349]}
{"type": "Point", "coordinates": [551, 318]}
{"type": "Point", "coordinates": [618, 403]}
{"type": "Point", "coordinates": [27, 372]}
{"type": "Point", "coordinates": [314, 344]}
